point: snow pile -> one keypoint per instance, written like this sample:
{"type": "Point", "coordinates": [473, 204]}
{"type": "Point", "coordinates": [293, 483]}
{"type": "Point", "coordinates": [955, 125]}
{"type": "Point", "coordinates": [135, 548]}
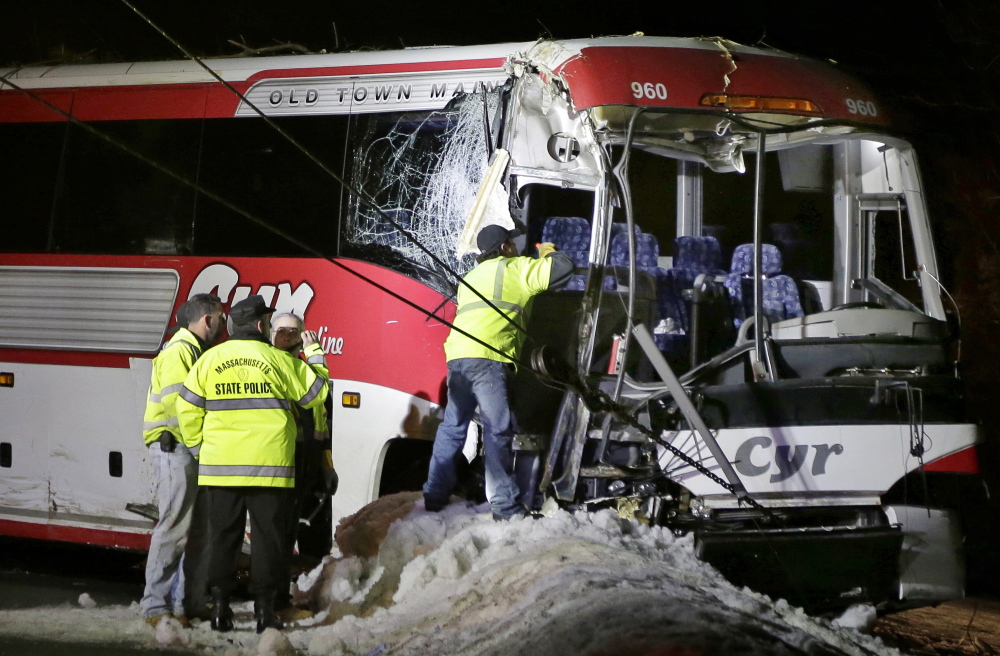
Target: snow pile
{"type": "Point", "coordinates": [170, 632]}
{"type": "Point", "coordinates": [859, 616]}
{"type": "Point", "coordinates": [86, 601]}
{"type": "Point", "coordinates": [456, 582]}
{"type": "Point", "coordinates": [274, 643]}
{"type": "Point", "coordinates": [408, 582]}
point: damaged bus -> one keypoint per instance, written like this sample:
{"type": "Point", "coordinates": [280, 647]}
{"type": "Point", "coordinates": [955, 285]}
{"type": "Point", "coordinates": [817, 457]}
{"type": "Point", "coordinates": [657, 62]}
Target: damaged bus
{"type": "Point", "coordinates": [755, 347]}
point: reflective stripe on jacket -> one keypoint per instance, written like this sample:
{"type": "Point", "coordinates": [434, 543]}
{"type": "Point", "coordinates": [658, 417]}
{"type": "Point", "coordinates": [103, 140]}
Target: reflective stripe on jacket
{"type": "Point", "coordinates": [509, 283]}
{"type": "Point", "coordinates": [314, 356]}
{"type": "Point", "coordinates": [170, 368]}
{"type": "Point", "coordinates": [236, 407]}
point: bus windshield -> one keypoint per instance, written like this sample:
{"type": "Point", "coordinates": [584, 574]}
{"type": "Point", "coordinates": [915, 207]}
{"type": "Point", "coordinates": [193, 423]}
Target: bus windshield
{"type": "Point", "coordinates": [838, 216]}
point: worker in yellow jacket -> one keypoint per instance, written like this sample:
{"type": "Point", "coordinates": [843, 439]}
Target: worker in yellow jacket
{"type": "Point", "coordinates": [288, 333]}
{"type": "Point", "coordinates": [478, 375]}
{"type": "Point", "coordinates": [166, 593]}
{"type": "Point", "coordinates": [235, 410]}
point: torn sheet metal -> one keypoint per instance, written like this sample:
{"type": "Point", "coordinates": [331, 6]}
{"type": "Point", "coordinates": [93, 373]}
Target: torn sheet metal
{"type": "Point", "coordinates": [491, 207]}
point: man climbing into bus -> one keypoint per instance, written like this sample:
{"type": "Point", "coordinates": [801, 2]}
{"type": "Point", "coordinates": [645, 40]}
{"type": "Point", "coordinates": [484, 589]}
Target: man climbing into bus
{"type": "Point", "coordinates": [235, 408]}
{"type": "Point", "coordinates": [200, 320]}
{"type": "Point", "coordinates": [478, 375]}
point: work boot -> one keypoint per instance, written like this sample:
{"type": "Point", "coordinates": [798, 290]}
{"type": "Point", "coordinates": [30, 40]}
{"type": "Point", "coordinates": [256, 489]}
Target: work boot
{"type": "Point", "coordinates": [263, 612]}
{"type": "Point", "coordinates": [434, 505]}
{"type": "Point", "coordinates": [155, 620]}
{"type": "Point", "coordinates": [222, 614]}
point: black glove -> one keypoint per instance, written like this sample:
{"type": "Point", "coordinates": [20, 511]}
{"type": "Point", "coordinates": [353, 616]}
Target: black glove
{"type": "Point", "coordinates": [167, 442]}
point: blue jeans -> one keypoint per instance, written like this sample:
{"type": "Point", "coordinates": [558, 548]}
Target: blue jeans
{"type": "Point", "coordinates": [476, 382]}
{"type": "Point", "coordinates": [176, 489]}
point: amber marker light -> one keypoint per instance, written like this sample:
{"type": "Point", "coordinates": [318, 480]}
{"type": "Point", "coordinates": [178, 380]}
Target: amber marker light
{"type": "Point", "coordinates": [758, 103]}
{"type": "Point", "coordinates": [351, 399]}
{"type": "Point", "coordinates": [6, 379]}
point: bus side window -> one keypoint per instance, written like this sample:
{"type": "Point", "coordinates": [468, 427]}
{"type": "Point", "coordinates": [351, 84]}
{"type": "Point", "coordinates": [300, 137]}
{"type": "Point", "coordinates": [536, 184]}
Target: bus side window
{"type": "Point", "coordinates": [247, 162]}
{"type": "Point", "coordinates": [111, 202]}
{"type": "Point", "coordinates": [32, 152]}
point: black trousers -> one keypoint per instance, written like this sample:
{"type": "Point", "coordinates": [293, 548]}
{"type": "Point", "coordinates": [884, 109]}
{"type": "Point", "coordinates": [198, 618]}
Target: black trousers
{"type": "Point", "coordinates": [270, 558]}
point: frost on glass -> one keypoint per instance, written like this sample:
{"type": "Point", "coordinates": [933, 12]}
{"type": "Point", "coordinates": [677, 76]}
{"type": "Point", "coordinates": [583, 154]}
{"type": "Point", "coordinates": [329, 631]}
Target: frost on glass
{"type": "Point", "coordinates": [422, 170]}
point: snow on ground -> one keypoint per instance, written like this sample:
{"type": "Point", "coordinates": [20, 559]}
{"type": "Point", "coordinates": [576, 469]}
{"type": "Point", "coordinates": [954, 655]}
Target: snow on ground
{"type": "Point", "coordinates": [407, 581]}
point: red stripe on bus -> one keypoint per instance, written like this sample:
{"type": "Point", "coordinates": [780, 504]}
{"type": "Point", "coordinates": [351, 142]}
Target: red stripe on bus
{"type": "Point", "coordinates": [965, 461]}
{"type": "Point", "coordinates": [141, 102]}
{"type": "Point", "coordinates": [185, 100]}
{"type": "Point", "coordinates": [92, 536]}
{"type": "Point", "coordinates": [368, 335]}
{"type": "Point", "coordinates": [376, 69]}
{"type": "Point", "coordinates": [18, 107]}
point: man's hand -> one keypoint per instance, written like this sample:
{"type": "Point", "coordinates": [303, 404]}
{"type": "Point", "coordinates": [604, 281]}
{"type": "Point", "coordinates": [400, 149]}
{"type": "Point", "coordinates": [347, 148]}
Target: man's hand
{"type": "Point", "coordinates": [545, 249]}
{"type": "Point", "coordinates": [309, 337]}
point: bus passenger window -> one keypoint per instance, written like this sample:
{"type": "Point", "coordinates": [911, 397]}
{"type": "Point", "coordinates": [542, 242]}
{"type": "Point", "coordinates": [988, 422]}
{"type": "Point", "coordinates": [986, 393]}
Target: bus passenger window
{"type": "Point", "coordinates": [111, 202]}
{"type": "Point", "coordinates": [28, 187]}
{"type": "Point", "coordinates": [247, 162]}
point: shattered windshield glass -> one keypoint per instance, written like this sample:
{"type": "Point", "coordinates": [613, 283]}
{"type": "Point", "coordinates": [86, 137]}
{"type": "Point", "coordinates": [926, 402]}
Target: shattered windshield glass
{"type": "Point", "coordinates": [423, 171]}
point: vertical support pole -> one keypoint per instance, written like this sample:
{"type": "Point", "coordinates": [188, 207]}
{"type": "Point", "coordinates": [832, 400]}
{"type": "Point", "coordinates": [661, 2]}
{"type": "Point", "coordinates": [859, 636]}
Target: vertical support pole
{"type": "Point", "coordinates": [689, 198]}
{"type": "Point", "coordinates": [759, 363]}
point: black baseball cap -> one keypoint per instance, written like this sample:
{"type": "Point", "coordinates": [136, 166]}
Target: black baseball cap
{"type": "Point", "coordinates": [492, 236]}
{"type": "Point", "coordinates": [249, 309]}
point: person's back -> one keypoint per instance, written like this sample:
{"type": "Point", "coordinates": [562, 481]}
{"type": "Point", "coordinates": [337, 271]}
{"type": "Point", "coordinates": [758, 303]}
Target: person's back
{"type": "Point", "coordinates": [509, 283]}
{"type": "Point", "coordinates": [255, 384]}
{"type": "Point", "coordinates": [480, 350]}
{"type": "Point", "coordinates": [236, 407]}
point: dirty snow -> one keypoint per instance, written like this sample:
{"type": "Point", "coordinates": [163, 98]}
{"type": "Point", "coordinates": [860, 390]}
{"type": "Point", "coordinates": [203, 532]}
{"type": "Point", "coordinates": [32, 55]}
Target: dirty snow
{"type": "Point", "coordinates": [406, 581]}
{"type": "Point", "coordinates": [86, 601]}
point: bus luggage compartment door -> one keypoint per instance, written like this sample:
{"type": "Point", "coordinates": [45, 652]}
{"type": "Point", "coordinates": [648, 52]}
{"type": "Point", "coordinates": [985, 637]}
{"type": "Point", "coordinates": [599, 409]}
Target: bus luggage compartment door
{"type": "Point", "coordinates": [816, 568]}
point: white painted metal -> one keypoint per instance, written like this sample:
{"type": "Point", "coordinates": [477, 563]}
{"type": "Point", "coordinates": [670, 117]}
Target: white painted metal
{"type": "Point", "coordinates": [855, 322]}
{"type": "Point", "coordinates": [361, 435]}
{"type": "Point", "coordinates": [351, 94]}
{"type": "Point", "coordinates": [790, 460]}
{"type": "Point", "coordinates": [689, 198]}
{"type": "Point", "coordinates": [932, 561]}
{"type": "Point", "coordinates": [63, 422]}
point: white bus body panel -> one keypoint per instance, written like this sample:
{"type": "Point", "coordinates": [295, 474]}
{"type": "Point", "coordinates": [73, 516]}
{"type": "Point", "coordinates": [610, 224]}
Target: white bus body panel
{"type": "Point", "coordinates": [810, 460]}
{"type": "Point", "coordinates": [361, 436]}
{"type": "Point", "coordinates": [63, 422]}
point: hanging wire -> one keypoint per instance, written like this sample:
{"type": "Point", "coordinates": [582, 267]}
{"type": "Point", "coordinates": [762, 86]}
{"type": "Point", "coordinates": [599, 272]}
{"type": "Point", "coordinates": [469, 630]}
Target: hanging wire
{"type": "Point", "coordinates": [598, 398]}
{"type": "Point", "coordinates": [329, 171]}
{"type": "Point", "coordinates": [244, 213]}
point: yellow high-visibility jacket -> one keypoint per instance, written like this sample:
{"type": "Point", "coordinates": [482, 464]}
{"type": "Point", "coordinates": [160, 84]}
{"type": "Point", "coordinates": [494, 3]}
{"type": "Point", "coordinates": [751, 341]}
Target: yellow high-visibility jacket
{"type": "Point", "coordinates": [509, 283]}
{"type": "Point", "coordinates": [170, 367]}
{"type": "Point", "coordinates": [314, 356]}
{"type": "Point", "coordinates": [235, 412]}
